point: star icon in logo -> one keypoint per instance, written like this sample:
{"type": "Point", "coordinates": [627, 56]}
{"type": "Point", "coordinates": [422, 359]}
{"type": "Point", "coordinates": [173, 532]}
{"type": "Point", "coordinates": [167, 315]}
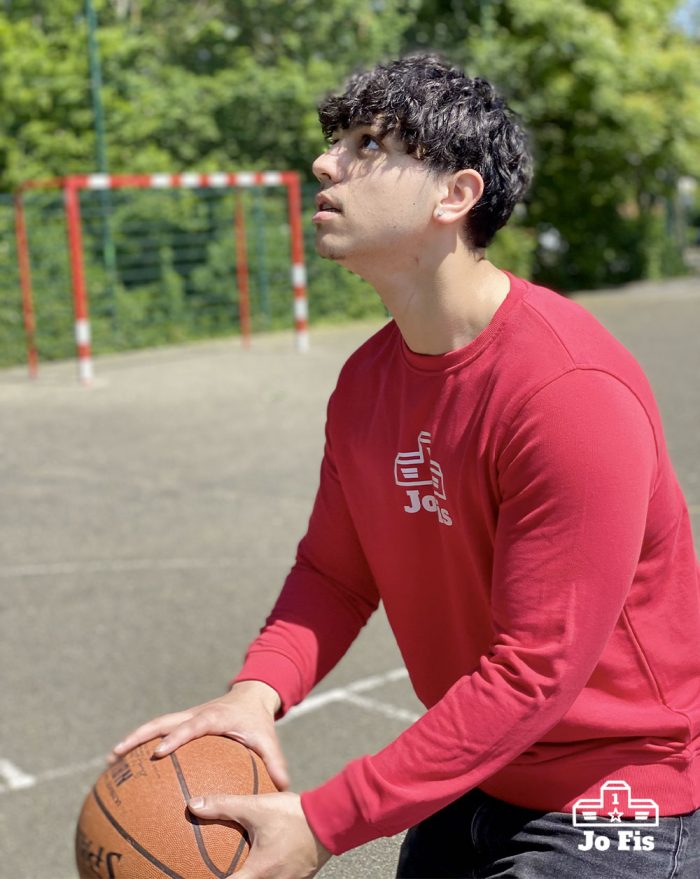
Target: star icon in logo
{"type": "Point", "coordinates": [616, 815]}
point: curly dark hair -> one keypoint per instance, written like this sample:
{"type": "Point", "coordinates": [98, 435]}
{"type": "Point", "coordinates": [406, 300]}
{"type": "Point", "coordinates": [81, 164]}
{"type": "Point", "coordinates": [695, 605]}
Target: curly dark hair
{"type": "Point", "coordinates": [447, 120]}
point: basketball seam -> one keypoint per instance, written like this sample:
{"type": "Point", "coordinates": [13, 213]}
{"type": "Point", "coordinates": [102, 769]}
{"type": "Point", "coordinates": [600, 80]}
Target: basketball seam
{"type": "Point", "coordinates": [132, 842]}
{"type": "Point", "coordinates": [256, 785]}
{"type": "Point", "coordinates": [195, 823]}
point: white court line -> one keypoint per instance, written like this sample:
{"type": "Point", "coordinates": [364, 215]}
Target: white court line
{"type": "Point", "coordinates": [340, 694]}
{"type": "Point", "coordinates": [382, 708]}
{"type": "Point", "coordinates": [12, 778]}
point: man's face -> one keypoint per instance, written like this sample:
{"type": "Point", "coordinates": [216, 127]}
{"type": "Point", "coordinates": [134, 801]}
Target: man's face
{"type": "Point", "coordinates": [376, 202]}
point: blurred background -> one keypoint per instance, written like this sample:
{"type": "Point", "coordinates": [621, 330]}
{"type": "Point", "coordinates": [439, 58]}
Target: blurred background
{"type": "Point", "coordinates": [610, 90]}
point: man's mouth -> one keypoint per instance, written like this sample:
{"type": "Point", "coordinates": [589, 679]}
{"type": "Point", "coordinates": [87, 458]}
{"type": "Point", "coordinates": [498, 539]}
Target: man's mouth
{"type": "Point", "coordinates": [325, 209]}
{"type": "Point", "coordinates": [324, 204]}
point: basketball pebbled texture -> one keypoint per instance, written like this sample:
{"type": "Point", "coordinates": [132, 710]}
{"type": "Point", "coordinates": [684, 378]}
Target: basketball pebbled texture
{"type": "Point", "coordinates": [135, 824]}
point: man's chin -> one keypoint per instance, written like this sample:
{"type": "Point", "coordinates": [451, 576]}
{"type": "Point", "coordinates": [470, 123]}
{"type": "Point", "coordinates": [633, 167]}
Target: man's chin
{"type": "Point", "coordinates": [348, 256]}
{"type": "Point", "coordinates": [332, 255]}
{"type": "Point", "coordinates": [326, 251]}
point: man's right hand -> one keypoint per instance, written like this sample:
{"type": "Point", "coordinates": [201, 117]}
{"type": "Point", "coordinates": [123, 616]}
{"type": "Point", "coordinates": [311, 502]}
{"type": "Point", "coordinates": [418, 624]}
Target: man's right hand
{"type": "Point", "coordinates": [246, 713]}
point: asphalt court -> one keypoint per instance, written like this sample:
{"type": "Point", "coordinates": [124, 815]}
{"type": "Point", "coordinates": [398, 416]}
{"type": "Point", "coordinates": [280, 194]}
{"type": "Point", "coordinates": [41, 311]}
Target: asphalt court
{"type": "Point", "coordinates": [147, 526]}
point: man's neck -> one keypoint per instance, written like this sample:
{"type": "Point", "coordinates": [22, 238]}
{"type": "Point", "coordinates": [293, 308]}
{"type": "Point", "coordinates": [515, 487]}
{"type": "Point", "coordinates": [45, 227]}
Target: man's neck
{"type": "Point", "coordinates": [441, 306]}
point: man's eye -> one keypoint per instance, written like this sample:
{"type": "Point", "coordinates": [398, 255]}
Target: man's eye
{"type": "Point", "coordinates": [367, 142]}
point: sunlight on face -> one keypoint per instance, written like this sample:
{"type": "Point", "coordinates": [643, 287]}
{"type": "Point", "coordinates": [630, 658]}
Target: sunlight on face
{"type": "Point", "coordinates": [376, 201]}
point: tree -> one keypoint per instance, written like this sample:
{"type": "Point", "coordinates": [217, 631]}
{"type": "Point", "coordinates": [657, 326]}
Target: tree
{"type": "Point", "coordinates": [611, 92]}
{"type": "Point", "coordinates": [45, 117]}
{"type": "Point", "coordinates": [609, 88]}
{"type": "Point", "coordinates": [210, 84]}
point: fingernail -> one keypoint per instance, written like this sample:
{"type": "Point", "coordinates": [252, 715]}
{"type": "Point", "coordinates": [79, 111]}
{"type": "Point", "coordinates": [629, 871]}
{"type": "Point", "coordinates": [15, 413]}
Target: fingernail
{"type": "Point", "coordinates": [118, 746]}
{"type": "Point", "coordinates": [196, 802]}
{"type": "Point", "coordinates": [160, 748]}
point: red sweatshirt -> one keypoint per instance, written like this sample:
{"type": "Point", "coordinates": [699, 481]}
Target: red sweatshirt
{"type": "Point", "coordinates": [513, 505]}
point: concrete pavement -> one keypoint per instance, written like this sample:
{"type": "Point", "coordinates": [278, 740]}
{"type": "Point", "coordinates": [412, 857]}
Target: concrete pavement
{"type": "Point", "coordinates": [146, 528]}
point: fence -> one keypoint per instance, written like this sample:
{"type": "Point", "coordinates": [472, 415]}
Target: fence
{"type": "Point", "coordinates": [165, 263]}
{"type": "Point", "coordinates": [162, 266]}
{"type": "Point", "coordinates": [12, 338]}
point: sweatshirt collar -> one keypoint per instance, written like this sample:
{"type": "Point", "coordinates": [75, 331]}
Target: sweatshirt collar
{"type": "Point", "coordinates": [461, 356]}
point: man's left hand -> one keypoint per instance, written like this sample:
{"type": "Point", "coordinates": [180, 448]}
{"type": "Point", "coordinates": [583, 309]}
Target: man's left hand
{"type": "Point", "coordinates": [283, 846]}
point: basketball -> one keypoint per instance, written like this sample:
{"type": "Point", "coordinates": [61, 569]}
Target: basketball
{"type": "Point", "coordinates": [135, 823]}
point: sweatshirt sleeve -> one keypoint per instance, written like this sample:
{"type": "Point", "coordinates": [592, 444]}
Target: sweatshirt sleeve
{"type": "Point", "coordinates": [326, 599]}
{"type": "Point", "coordinates": [576, 472]}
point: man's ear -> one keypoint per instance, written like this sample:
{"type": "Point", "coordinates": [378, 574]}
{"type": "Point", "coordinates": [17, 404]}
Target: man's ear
{"type": "Point", "coordinates": [462, 191]}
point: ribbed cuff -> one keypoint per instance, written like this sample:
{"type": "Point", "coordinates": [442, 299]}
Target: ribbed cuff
{"type": "Point", "coordinates": [278, 672]}
{"type": "Point", "coordinates": [335, 814]}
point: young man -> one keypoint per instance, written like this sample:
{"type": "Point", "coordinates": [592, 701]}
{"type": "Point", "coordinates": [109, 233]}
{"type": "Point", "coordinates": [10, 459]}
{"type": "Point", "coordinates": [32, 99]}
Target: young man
{"type": "Point", "coordinates": [495, 472]}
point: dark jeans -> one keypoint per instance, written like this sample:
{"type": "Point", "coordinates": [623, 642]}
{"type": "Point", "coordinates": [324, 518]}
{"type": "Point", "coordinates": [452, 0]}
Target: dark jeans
{"type": "Point", "coordinates": [479, 837]}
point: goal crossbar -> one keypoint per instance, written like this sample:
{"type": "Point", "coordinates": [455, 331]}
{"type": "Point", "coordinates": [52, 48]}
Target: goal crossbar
{"type": "Point", "coordinates": [72, 186]}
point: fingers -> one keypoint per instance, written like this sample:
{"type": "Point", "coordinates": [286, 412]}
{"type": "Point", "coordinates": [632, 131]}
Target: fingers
{"type": "Point", "coordinates": [159, 726]}
{"type": "Point", "coordinates": [269, 749]}
{"type": "Point", "coordinates": [204, 722]}
{"type": "Point", "coordinates": [283, 845]}
{"type": "Point", "coordinates": [262, 738]}
{"type": "Point", "coordinates": [224, 807]}
{"type": "Point", "coordinates": [242, 716]}
{"type": "Point", "coordinates": [241, 809]}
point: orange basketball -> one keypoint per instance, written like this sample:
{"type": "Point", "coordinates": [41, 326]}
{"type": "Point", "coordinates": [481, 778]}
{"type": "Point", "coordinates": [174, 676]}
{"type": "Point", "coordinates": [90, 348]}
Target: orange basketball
{"type": "Point", "coordinates": [135, 824]}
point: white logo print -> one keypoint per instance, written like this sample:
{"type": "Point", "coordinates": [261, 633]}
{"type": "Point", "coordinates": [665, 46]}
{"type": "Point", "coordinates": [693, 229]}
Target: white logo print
{"type": "Point", "coordinates": [616, 805]}
{"type": "Point", "coordinates": [419, 469]}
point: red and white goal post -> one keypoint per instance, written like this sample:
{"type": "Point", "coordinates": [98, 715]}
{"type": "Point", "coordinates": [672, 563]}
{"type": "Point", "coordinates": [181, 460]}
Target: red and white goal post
{"type": "Point", "coordinates": [72, 186]}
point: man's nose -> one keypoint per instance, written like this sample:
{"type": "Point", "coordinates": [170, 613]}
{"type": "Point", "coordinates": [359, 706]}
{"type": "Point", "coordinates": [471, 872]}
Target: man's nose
{"type": "Point", "coordinates": [327, 166]}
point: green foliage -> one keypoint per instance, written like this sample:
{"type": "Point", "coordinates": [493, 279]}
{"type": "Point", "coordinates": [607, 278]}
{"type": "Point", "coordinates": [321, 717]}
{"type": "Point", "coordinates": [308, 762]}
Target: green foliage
{"type": "Point", "coordinates": [340, 296]}
{"type": "Point", "coordinates": [611, 94]}
{"type": "Point", "coordinates": [609, 88]}
{"type": "Point", "coordinates": [514, 249]}
{"type": "Point", "coordinates": [212, 85]}
{"type": "Point", "coordinates": [46, 126]}
{"type": "Point", "coordinates": [12, 344]}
